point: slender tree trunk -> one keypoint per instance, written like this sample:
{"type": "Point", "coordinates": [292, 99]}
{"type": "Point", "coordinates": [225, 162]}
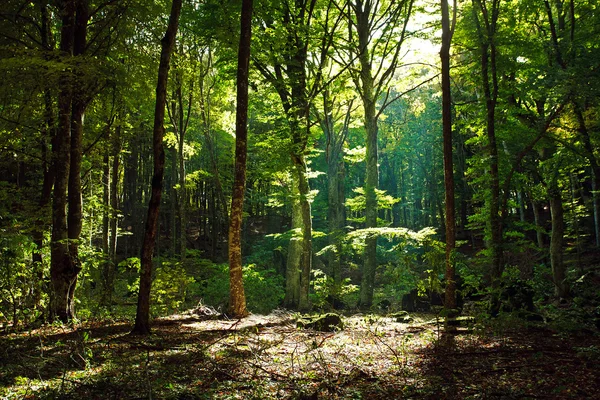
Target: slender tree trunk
{"type": "Point", "coordinates": [294, 256]}
{"type": "Point", "coordinates": [183, 200]}
{"type": "Point", "coordinates": [174, 200]}
{"type": "Point", "coordinates": [335, 140]}
{"type": "Point", "coordinates": [79, 105]}
{"type": "Point", "coordinates": [114, 214]}
{"type": "Point", "coordinates": [490, 89]}
{"type": "Point", "coordinates": [372, 173]}
{"type": "Point", "coordinates": [537, 222]}
{"type": "Point", "coordinates": [305, 211]}
{"type": "Point", "coordinates": [561, 288]}
{"type": "Point", "coordinates": [335, 217]}
{"type": "Point", "coordinates": [583, 131]}
{"type": "Point", "coordinates": [237, 297]}
{"type": "Point", "coordinates": [105, 202]}
{"type": "Point", "coordinates": [48, 130]}
{"type": "Point", "coordinates": [142, 317]}
{"type": "Point", "coordinates": [61, 268]}
{"type": "Point", "coordinates": [450, 295]}
{"type": "Point", "coordinates": [105, 228]}
{"type": "Point", "coordinates": [114, 193]}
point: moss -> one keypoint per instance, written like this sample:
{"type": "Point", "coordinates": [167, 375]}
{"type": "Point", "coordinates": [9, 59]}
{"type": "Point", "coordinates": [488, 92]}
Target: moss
{"type": "Point", "coordinates": [328, 322]}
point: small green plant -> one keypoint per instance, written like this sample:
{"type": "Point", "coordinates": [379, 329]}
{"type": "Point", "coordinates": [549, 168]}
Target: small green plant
{"type": "Point", "coordinates": [263, 288]}
{"type": "Point", "coordinates": [326, 290]}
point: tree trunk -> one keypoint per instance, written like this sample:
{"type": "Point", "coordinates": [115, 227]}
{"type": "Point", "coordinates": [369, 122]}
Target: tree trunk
{"type": "Point", "coordinates": [294, 256]}
{"type": "Point", "coordinates": [335, 140]}
{"type": "Point", "coordinates": [62, 274]}
{"type": "Point", "coordinates": [372, 173]}
{"type": "Point", "coordinates": [561, 288]}
{"type": "Point", "coordinates": [535, 206]}
{"type": "Point", "coordinates": [490, 89]}
{"type": "Point", "coordinates": [305, 212]}
{"type": "Point", "coordinates": [47, 167]}
{"type": "Point", "coordinates": [172, 185]}
{"type": "Point", "coordinates": [583, 131]}
{"type": "Point", "coordinates": [105, 228]}
{"type": "Point", "coordinates": [335, 214]}
{"type": "Point", "coordinates": [79, 104]}
{"type": "Point", "coordinates": [237, 297]}
{"type": "Point", "coordinates": [450, 222]}
{"type": "Point", "coordinates": [182, 199]}
{"type": "Point", "coordinates": [142, 317]}
{"type": "Point", "coordinates": [114, 216]}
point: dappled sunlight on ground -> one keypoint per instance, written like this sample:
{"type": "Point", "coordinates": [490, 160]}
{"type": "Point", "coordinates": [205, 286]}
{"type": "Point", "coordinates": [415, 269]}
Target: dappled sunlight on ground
{"type": "Point", "coordinates": [266, 357]}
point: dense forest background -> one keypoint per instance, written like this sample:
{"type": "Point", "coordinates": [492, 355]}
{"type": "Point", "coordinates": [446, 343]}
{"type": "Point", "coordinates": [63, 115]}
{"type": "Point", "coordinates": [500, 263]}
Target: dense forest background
{"type": "Point", "coordinates": [344, 205]}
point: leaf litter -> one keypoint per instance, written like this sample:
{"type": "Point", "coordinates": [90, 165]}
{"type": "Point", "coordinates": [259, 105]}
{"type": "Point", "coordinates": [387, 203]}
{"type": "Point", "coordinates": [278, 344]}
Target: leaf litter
{"type": "Point", "coordinates": [208, 356]}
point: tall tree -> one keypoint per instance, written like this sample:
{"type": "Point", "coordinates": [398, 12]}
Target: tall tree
{"type": "Point", "coordinates": [79, 104]}
{"type": "Point", "coordinates": [142, 317]}
{"type": "Point", "coordinates": [380, 29]}
{"type": "Point", "coordinates": [335, 120]}
{"type": "Point", "coordinates": [237, 297]}
{"type": "Point", "coordinates": [485, 14]}
{"type": "Point", "coordinates": [447, 31]}
{"type": "Point", "coordinates": [285, 61]}
{"type": "Point", "coordinates": [63, 272]}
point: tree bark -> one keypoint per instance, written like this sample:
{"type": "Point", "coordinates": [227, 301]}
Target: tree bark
{"type": "Point", "coordinates": [305, 212]}
{"type": "Point", "coordinates": [79, 105]}
{"type": "Point", "coordinates": [237, 297]}
{"type": "Point", "coordinates": [182, 199]}
{"type": "Point", "coordinates": [294, 256]}
{"type": "Point", "coordinates": [114, 215]}
{"type": "Point", "coordinates": [335, 140]}
{"type": "Point", "coordinates": [450, 221]}
{"type": "Point", "coordinates": [47, 138]}
{"type": "Point", "coordinates": [62, 273]}
{"type": "Point", "coordinates": [142, 317]}
{"type": "Point", "coordinates": [490, 89]}
{"type": "Point", "coordinates": [369, 100]}
{"type": "Point", "coordinates": [561, 288]}
{"type": "Point", "coordinates": [105, 228]}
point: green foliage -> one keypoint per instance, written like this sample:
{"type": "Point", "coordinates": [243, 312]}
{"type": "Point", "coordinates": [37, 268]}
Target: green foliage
{"type": "Point", "coordinates": [169, 287]}
{"type": "Point", "coordinates": [263, 288]}
{"type": "Point", "coordinates": [325, 290]}
{"type": "Point", "coordinates": [417, 261]}
{"type": "Point", "coordinates": [358, 203]}
{"type": "Point", "coordinates": [18, 280]}
{"type": "Point", "coordinates": [169, 284]}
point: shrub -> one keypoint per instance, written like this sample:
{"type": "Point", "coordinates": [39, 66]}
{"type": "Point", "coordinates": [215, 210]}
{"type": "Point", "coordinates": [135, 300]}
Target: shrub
{"type": "Point", "coordinates": [263, 287]}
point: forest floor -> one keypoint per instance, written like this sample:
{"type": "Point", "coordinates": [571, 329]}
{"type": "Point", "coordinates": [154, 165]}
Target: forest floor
{"type": "Point", "coordinates": [267, 357]}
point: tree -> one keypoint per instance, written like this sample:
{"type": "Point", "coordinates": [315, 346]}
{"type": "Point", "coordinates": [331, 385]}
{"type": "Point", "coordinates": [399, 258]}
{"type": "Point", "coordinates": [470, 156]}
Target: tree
{"type": "Point", "coordinates": [142, 317]}
{"type": "Point", "coordinates": [380, 27]}
{"type": "Point", "coordinates": [290, 46]}
{"type": "Point", "coordinates": [335, 121]}
{"type": "Point", "coordinates": [63, 270]}
{"type": "Point", "coordinates": [485, 14]}
{"type": "Point", "coordinates": [237, 298]}
{"type": "Point", "coordinates": [447, 31]}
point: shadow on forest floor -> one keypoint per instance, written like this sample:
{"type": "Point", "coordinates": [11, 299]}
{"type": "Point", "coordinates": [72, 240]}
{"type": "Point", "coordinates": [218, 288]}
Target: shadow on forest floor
{"type": "Point", "coordinates": [264, 357]}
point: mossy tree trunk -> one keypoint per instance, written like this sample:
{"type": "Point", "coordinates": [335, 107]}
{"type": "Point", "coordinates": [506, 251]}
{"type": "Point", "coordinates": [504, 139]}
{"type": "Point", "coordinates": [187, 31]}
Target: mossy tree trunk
{"type": "Point", "coordinates": [369, 99]}
{"type": "Point", "coordinates": [486, 22]}
{"type": "Point", "coordinates": [237, 296]}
